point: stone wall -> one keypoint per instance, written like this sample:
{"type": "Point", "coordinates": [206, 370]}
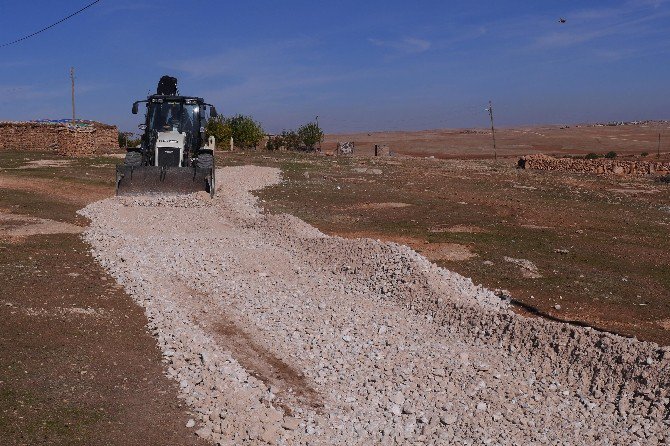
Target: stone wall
{"type": "Point", "coordinates": [599, 166]}
{"type": "Point", "coordinates": [82, 139]}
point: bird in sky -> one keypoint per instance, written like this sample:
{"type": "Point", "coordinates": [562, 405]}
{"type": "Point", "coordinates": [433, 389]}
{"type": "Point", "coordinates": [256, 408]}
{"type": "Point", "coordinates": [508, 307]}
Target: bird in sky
{"type": "Point", "coordinates": [562, 20]}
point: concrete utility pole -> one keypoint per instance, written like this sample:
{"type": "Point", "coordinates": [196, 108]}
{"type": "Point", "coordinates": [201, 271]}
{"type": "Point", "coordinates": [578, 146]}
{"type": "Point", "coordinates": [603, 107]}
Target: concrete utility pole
{"type": "Point", "coordinates": [72, 78]}
{"type": "Point", "coordinates": [493, 131]}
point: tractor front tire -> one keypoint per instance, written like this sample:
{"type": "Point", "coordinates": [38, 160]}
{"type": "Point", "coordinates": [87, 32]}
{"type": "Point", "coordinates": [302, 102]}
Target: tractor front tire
{"type": "Point", "coordinates": [133, 158]}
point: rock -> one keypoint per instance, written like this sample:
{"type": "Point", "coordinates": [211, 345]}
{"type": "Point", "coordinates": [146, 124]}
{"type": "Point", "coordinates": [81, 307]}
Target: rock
{"type": "Point", "coordinates": [398, 398]}
{"type": "Point", "coordinates": [270, 435]}
{"type": "Point", "coordinates": [285, 291]}
{"type": "Point", "coordinates": [291, 423]}
{"type": "Point", "coordinates": [481, 366]}
{"type": "Point", "coordinates": [204, 432]}
{"type": "Point", "coordinates": [448, 419]}
{"type": "Point", "coordinates": [190, 423]}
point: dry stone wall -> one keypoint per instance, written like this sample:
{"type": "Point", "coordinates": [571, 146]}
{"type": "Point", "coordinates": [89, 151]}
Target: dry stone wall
{"type": "Point", "coordinates": [599, 166]}
{"type": "Point", "coordinates": [82, 139]}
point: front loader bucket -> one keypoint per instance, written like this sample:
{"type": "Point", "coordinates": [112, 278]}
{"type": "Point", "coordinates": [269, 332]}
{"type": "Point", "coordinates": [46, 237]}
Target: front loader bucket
{"type": "Point", "coordinates": [143, 180]}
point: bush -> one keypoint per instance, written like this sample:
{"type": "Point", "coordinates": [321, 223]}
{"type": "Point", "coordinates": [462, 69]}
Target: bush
{"type": "Point", "coordinates": [220, 130]}
{"type": "Point", "coordinates": [246, 132]}
{"type": "Point", "coordinates": [275, 143]}
{"type": "Point", "coordinates": [644, 154]}
{"type": "Point", "coordinates": [592, 156]}
{"type": "Point", "coordinates": [310, 134]}
{"type": "Point", "coordinates": [291, 140]}
{"type": "Point", "coordinates": [610, 155]}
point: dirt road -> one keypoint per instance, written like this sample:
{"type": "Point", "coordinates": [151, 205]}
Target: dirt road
{"type": "Point", "coordinates": [280, 334]}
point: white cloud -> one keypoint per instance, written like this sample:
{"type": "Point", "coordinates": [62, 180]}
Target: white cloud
{"type": "Point", "coordinates": [408, 45]}
{"type": "Point", "coordinates": [631, 19]}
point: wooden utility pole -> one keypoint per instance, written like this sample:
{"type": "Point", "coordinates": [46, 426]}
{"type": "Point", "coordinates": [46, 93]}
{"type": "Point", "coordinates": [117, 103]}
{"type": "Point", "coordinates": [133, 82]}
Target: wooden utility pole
{"type": "Point", "coordinates": [493, 131]}
{"type": "Point", "coordinates": [72, 78]}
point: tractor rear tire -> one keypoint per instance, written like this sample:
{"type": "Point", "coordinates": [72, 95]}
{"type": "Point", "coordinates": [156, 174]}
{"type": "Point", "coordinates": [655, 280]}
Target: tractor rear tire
{"type": "Point", "coordinates": [205, 161]}
{"type": "Point", "coordinates": [133, 158]}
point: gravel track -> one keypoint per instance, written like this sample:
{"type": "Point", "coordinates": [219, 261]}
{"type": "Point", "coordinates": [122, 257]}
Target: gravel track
{"type": "Point", "coordinates": [279, 334]}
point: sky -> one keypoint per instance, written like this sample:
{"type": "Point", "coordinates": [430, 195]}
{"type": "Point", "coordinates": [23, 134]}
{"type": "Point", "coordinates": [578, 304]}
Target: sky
{"type": "Point", "coordinates": [363, 65]}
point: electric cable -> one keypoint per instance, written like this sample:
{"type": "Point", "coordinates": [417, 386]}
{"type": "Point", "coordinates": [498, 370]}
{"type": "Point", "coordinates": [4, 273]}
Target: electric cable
{"type": "Point", "coordinates": [50, 26]}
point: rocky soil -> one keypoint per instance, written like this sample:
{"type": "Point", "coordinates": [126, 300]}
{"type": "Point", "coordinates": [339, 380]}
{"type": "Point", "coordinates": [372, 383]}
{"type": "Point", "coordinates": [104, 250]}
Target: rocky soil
{"type": "Point", "coordinates": [279, 334]}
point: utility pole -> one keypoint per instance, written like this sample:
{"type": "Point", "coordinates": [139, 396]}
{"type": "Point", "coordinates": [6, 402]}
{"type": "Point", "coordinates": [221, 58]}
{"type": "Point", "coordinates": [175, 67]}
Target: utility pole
{"type": "Point", "coordinates": [318, 128]}
{"type": "Point", "coordinates": [72, 78]}
{"type": "Point", "coordinates": [493, 131]}
{"type": "Point", "coordinates": [658, 149]}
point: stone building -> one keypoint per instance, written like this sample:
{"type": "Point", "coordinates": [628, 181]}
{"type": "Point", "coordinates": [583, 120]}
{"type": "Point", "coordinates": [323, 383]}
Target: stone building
{"type": "Point", "coordinates": [84, 138]}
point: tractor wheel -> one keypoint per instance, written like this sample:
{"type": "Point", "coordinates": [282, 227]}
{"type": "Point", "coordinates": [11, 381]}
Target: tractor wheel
{"type": "Point", "coordinates": [133, 158]}
{"type": "Point", "coordinates": [205, 161]}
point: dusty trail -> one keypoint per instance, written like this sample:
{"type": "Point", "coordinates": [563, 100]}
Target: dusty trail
{"type": "Point", "coordinates": [279, 334]}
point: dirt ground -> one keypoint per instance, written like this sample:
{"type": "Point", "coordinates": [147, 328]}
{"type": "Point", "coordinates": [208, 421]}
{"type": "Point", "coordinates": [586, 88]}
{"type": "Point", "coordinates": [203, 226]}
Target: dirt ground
{"type": "Point", "coordinates": [572, 247]}
{"type": "Point", "coordinates": [77, 365]}
{"type": "Point", "coordinates": [477, 143]}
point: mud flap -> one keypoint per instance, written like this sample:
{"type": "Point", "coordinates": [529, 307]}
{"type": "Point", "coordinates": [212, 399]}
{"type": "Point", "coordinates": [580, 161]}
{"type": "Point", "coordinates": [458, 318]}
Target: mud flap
{"type": "Point", "coordinates": [142, 180]}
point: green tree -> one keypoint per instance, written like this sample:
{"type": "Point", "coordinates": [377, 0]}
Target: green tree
{"type": "Point", "coordinates": [218, 128]}
{"type": "Point", "coordinates": [245, 131]}
{"type": "Point", "coordinates": [291, 140]}
{"type": "Point", "coordinates": [610, 155]}
{"type": "Point", "coordinates": [310, 134]}
{"type": "Point", "coordinates": [275, 143]}
{"type": "Point", "coordinates": [125, 140]}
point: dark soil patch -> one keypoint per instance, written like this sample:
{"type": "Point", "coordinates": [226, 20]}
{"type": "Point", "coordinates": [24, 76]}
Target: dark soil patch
{"type": "Point", "coordinates": [264, 365]}
{"type": "Point", "coordinates": [77, 366]}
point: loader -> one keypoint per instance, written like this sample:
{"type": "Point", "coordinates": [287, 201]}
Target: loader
{"type": "Point", "coordinates": [174, 156]}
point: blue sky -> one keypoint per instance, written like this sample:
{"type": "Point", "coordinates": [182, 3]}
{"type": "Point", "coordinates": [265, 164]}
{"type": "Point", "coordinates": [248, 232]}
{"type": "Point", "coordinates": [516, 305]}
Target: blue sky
{"type": "Point", "coordinates": [359, 65]}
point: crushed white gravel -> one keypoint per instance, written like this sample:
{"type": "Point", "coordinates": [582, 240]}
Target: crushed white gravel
{"type": "Point", "coordinates": [279, 334]}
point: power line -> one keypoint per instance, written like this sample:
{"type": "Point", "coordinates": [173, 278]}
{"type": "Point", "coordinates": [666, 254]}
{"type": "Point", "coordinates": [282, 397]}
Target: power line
{"type": "Point", "coordinates": [50, 26]}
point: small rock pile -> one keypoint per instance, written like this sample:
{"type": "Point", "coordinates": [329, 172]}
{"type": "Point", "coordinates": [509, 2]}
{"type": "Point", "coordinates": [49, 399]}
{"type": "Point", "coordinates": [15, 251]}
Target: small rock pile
{"type": "Point", "coordinates": [598, 166]}
{"type": "Point", "coordinates": [358, 341]}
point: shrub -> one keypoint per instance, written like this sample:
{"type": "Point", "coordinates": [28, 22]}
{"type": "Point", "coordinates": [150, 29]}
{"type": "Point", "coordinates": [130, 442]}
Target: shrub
{"type": "Point", "coordinates": [246, 132]}
{"type": "Point", "coordinates": [592, 156]}
{"type": "Point", "coordinates": [219, 128]}
{"type": "Point", "coordinates": [644, 154]}
{"type": "Point", "coordinates": [275, 143]}
{"type": "Point", "coordinates": [610, 155]}
{"type": "Point", "coordinates": [310, 134]}
{"type": "Point", "coordinates": [291, 140]}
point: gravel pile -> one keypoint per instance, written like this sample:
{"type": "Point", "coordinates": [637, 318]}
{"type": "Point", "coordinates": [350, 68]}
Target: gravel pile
{"type": "Point", "coordinates": [279, 334]}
